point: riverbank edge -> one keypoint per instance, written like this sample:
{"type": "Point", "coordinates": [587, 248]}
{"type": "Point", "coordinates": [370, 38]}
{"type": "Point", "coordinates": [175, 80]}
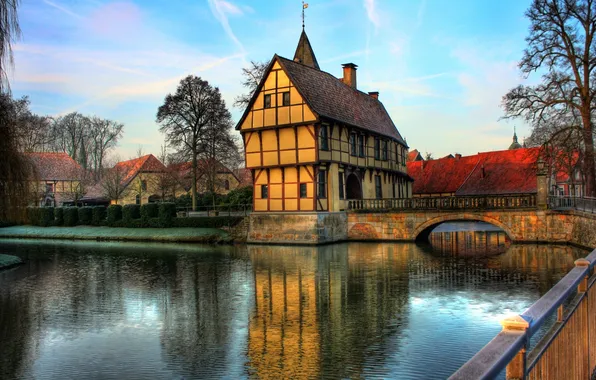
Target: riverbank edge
{"type": "Point", "coordinates": [9, 261]}
{"type": "Point", "coordinates": [89, 233]}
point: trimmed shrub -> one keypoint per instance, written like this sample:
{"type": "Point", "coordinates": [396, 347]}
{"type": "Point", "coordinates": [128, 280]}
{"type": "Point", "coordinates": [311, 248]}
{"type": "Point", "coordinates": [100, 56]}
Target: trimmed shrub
{"type": "Point", "coordinates": [71, 216]}
{"type": "Point", "coordinates": [130, 212]}
{"type": "Point", "coordinates": [149, 210]}
{"type": "Point", "coordinates": [59, 216]}
{"type": "Point", "coordinates": [33, 215]}
{"type": "Point", "coordinates": [207, 221]}
{"type": "Point", "coordinates": [46, 217]}
{"type": "Point", "coordinates": [85, 215]}
{"type": "Point", "coordinates": [114, 214]}
{"type": "Point", "coordinates": [99, 215]}
{"type": "Point", "coordinates": [167, 213]}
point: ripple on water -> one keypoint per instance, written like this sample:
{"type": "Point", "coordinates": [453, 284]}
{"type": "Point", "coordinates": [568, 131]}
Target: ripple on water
{"type": "Point", "coordinates": [138, 311]}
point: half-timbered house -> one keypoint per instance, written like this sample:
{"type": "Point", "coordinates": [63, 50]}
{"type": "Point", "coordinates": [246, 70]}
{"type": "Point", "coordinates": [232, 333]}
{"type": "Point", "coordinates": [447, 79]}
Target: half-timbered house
{"type": "Point", "coordinates": [314, 141]}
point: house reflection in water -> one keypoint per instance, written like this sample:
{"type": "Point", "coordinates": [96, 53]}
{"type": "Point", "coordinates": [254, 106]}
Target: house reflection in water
{"type": "Point", "coordinates": [469, 243]}
{"type": "Point", "coordinates": [320, 308]}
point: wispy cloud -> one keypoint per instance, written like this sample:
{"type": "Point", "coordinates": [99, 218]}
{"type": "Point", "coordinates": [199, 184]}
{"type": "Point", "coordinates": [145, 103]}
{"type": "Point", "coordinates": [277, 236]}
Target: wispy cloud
{"type": "Point", "coordinates": [63, 9]}
{"type": "Point", "coordinates": [371, 12]}
{"type": "Point", "coordinates": [420, 14]}
{"type": "Point", "coordinates": [221, 9]}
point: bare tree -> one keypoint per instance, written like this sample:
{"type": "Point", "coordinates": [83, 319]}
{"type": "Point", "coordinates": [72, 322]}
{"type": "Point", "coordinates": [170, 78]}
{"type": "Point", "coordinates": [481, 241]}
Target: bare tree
{"type": "Point", "coordinates": [219, 152]}
{"type": "Point", "coordinates": [166, 182]}
{"type": "Point", "coordinates": [9, 32]}
{"type": "Point", "coordinates": [186, 115]}
{"type": "Point", "coordinates": [70, 134]}
{"type": "Point", "coordinates": [561, 42]}
{"type": "Point", "coordinates": [105, 135]}
{"type": "Point", "coordinates": [112, 183]}
{"type": "Point", "coordinates": [17, 174]}
{"type": "Point", "coordinates": [252, 77]}
{"type": "Point", "coordinates": [428, 156]}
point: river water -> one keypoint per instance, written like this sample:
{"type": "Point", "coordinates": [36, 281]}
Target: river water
{"type": "Point", "coordinates": [82, 310]}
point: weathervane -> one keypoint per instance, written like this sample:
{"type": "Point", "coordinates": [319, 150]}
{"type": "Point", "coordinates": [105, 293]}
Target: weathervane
{"type": "Point", "coordinates": [304, 6]}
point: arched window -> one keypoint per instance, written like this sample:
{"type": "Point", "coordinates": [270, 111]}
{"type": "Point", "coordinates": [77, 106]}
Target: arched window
{"type": "Point", "coordinates": [227, 184]}
{"type": "Point", "coordinates": [138, 199]}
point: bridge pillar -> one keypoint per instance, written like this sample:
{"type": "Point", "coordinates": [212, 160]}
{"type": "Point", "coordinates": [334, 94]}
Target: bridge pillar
{"type": "Point", "coordinates": [542, 187]}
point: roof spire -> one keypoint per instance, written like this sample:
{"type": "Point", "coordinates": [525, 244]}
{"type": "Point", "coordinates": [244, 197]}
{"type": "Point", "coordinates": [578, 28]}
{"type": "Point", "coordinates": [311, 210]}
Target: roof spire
{"type": "Point", "coordinates": [514, 144]}
{"type": "Point", "coordinates": [304, 53]}
{"type": "Point", "coordinates": [304, 6]}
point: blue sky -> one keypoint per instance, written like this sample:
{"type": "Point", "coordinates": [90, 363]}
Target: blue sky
{"type": "Point", "coordinates": [441, 67]}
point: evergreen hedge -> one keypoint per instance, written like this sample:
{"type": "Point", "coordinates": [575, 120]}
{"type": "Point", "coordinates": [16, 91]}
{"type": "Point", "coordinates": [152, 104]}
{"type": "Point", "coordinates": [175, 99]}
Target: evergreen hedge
{"type": "Point", "coordinates": [59, 216]}
{"type": "Point", "coordinates": [85, 215]}
{"type": "Point", "coordinates": [149, 210]}
{"type": "Point", "coordinates": [46, 216]}
{"type": "Point", "coordinates": [130, 212]}
{"type": "Point", "coordinates": [99, 215]}
{"type": "Point", "coordinates": [167, 213]}
{"type": "Point", "coordinates": [33, 215]}
{"type": "Point", "coordinates": [71, 216]}
{"type": "Point", "coordinates": [114, 214]}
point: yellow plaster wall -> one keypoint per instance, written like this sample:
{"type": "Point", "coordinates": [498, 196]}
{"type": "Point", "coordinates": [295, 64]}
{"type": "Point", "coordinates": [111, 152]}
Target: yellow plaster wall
{"type": "Point", "coordinates": [284, 189]}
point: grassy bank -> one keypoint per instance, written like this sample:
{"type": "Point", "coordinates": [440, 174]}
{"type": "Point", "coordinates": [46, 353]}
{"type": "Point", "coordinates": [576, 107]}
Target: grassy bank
{"type": "Point", "coordinates": [199, 235]}
{"type": "Point", "coordinates": [7, 261]}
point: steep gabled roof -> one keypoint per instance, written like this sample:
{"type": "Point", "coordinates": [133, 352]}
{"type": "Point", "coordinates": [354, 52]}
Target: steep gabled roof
{"type": "Point", "coordinates": [503, 172]}
{"type": "Point", "coordinates": [304, 53]}
{"type": "Point", "coordinates": [330, 98]}
{"type": "Point", "coordinates": [414, 155]}
{"type": "Point", "coordinates": [146, 164]}
{"type": "Point", "coordinates": [444, 175]}
{"type": "Point", "coordinates": [487, 173]}
{"type": "Point", "coordinates": [56, 166]}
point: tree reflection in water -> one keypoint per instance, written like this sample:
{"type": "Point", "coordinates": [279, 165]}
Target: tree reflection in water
{"type": "Point", "coordinates": [90, 310]}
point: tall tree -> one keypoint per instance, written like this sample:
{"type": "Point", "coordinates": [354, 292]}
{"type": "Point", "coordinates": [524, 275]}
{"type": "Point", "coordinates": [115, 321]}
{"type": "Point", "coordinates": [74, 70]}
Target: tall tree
{"type": "Point", "coordinates": [9, 32]}
{"type": "Point", "coordinates": [560, 43]}
{"type": "Point", "coordinates": [252, 77]}
{"type": "Point", "coordinates": [104, 135]}
{"type": "Point", "coordinates": [112, 183]}
{"type": "Point", "coordinates": [16, 172]}
{"type": "Point", "coordinates": [185, 117]}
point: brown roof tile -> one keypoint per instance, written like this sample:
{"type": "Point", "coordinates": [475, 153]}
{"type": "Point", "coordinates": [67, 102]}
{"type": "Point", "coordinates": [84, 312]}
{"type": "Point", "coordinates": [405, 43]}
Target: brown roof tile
{"type": "Point", "coordinates": [148, 163]}
{"type": "Point", "coordinates": [487, 173]}
{"type": "Point", "coordinates": [55, 166]}
{"type": "Point", "coordinates": [331, 98]}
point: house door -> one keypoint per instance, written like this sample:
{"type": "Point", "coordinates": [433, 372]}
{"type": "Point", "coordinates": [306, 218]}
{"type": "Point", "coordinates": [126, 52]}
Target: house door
{"type": "Point", "coordinates": [353, 187]}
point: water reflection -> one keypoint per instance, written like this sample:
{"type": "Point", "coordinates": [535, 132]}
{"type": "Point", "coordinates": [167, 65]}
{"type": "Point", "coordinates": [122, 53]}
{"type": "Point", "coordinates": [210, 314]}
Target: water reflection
{"type": "Point", "coordinates": [89, 310]}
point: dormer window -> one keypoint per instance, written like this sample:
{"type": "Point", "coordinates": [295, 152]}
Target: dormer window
{"type": "Point", "coordinates": [285, 98]}
{"type": "Point", "coordinates": [268, 101]}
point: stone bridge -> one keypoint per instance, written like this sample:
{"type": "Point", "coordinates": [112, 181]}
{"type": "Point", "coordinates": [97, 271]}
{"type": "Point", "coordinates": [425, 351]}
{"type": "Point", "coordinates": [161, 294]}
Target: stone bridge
{"type": "Point", "coordinates": [523, 225]}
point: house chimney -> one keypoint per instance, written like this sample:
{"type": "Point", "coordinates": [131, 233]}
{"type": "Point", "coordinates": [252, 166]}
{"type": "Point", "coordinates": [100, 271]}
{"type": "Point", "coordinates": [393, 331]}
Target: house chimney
{"type": "Point", "coordinates": [349, 74]}
{"type": "Point", "coordinates": [374, 94]}
{"type": "Point", "coordinates": [457, 156]}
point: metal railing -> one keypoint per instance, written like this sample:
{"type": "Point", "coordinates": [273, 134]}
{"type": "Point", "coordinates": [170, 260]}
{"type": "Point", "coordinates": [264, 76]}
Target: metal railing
{"type": "Point", "coordinates": [586, 204]}
{"type": "Point", "coordinates": [218, 210]}
{"type": "Point", "coordinates": [566, 351]}
{"type": "Point", "coordinates": [445, 203]}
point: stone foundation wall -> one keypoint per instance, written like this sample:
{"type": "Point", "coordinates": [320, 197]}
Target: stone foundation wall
{"type": "Point", "coordinates": [298, 228]}
{"type": "Point", "coordinates": [327, 227]}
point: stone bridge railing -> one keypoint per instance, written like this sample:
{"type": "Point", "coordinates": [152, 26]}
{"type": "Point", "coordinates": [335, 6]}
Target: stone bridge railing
{"type": "Point", "coordinates": [586, 204]}
{"type": "Point", "coordinates": [445, 203]}
{"type": "Point", "coordinates": [567, 350]}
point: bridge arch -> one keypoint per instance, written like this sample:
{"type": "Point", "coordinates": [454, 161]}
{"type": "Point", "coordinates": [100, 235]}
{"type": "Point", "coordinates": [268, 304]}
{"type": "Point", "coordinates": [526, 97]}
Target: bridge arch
{"type": "Point", "coordinates": [423, 231]}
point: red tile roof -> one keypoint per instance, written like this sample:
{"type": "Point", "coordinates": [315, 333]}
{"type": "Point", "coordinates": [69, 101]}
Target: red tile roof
{"type": "Point", "coordinates": [55, 166]}
{"type": "Point", "coordinates": [499, 172]}
{"type": "Point", "coordinates": [146, 164]}
{"type": "Point", "coordinates": [244, 177]}
{"type": "Point", "coordinates": [184, 170]}
{"type": "Point", "coordinates": [414, 155]}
